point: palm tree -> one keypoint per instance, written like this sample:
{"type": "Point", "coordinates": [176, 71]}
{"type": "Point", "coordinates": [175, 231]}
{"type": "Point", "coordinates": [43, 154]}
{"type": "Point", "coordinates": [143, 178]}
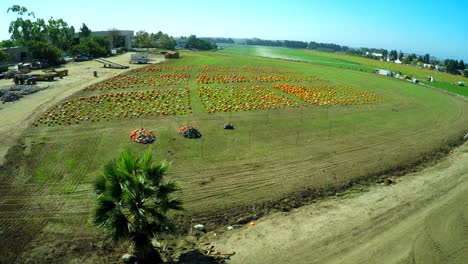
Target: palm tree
{"type": "Point", "coordinates": [133, 200]}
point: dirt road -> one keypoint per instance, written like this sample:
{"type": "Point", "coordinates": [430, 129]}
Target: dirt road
{"type": "Point", "coordinates": [421, 219]}
{"type": "Point", "coordinates": [16, 116]}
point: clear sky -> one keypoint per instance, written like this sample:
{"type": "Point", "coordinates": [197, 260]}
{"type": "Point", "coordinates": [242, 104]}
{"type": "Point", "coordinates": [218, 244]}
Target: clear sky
{"type": "Point", "coordinates": [421, 26]}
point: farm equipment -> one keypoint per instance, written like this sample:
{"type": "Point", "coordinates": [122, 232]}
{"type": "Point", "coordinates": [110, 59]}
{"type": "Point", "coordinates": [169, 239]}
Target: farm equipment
{"type": "Point", "coordinates": [111, 64]}
{"type": "Point", "coordinates": [33, 78]}
{"type": "Point", "coordinates": [12, 74]}
{"type": "Point", "coordinates": [171, 55]}
{"type": "Point", "coordinates": [60, 74]}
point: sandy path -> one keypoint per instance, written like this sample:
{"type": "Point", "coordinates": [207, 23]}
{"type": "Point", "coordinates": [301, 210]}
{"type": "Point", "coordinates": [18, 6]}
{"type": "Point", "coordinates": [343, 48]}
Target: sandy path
{"type": "Point", "coordinates": [422, 219]}
{"type": "Point", "coordinates": [16, 116]}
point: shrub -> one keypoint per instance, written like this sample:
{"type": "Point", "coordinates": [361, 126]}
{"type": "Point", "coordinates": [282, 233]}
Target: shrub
{"type": "Point", "coordinates": [45, 53]}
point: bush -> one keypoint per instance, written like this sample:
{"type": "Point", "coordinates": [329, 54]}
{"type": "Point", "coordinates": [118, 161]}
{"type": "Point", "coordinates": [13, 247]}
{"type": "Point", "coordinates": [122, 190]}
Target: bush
{"type": "Point", "coordinates": [45, 53]}
{"type": "Point", "coordinates": [465, 73]}
{"type": "Point", "coordinates": [79, 49]}
{"type": "Point", "coordinates": [92, 46]}
{"type": "Point", "coordinates": [195, 43]}
{"type": "Point", "coordinates": [4, 59]}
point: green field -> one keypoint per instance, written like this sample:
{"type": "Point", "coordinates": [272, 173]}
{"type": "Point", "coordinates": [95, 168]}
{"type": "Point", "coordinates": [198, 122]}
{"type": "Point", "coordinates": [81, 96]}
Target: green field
{"type": "Point", "coordinates": [275, 150]}
{"type": "Point", "coordinates": [443, 81]}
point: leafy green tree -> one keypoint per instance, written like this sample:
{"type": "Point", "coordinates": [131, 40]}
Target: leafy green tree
{"type": "Point", "coordinates": [465, 73]}
{"type": "Point", "coordinates": [133, 200]}
{"type": "Point", "coordinates": [45, 52]}
{"type": "Point", "coordinates": [9, 43]}
{"type": "Point", "coordinates": [4, 57]}
{"type": "Point", "coordinates": [461, 65]}
{"type": "Point", "coordinates": [98, 46]}
{"type": "Point", "coordinates": [92, 46]}
{"type": "Point", "coordinates": [384, 54]}
{"type": "Point", "coordinates": [427, 58]}
{"type": "Point", "coordinates": [144, 40]}
{"type": "Point", "coordinates": [59, 34]}
{"type": "Point", "coordinates": [84, 31]}
{"type": "Point", "coordinates": [400, 56]}
{"type": "Point", "coordinates": [165, 42]}
{"type": "Point", "coordinates": [450, 66]}
{"type": "Point", "coordinates": [23, 29]}
{"type": "Point", "coordinates": [195, 43]}
{"type": "Point", "coordinates": [79, 49]}
{"type": "Point", "coordinates": [393, 55]}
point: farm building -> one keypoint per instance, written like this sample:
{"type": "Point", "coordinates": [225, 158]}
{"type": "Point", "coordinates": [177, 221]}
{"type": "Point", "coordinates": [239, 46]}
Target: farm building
{"type": "Point", "coordinates": [384, 72]}
{"type": "Point", "coordinates": [18, 54]}
{"type": "Point", "coordinates": [118, 38]}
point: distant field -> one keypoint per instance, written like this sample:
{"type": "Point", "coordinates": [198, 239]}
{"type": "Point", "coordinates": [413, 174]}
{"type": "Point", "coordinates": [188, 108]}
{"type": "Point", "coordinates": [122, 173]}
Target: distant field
{"type": "Point", "coordinates": [298, 127]}
{"type": "Point", "coordinates": [443, 80]}
{"type": "Point", "coordinates": [297, 55]}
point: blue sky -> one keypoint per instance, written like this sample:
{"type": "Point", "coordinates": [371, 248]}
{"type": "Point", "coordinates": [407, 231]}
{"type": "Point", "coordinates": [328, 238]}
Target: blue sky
{"type": "Point", "coordinates": [421, 26]}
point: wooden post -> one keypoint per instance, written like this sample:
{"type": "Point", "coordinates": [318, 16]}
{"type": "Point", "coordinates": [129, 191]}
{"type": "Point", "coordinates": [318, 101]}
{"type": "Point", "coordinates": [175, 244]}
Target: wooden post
{"type": "Point", "coordinates": [301, 116]}
{"type": "Point", "coordinates": [329, 123]}
{"type": "Point", "coordinates": [202, 147]}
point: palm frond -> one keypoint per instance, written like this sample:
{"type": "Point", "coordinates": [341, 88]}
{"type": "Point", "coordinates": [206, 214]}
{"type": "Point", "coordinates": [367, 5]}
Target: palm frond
{"type": "Point", "coordinates": [127, 163]}
{"type": "Point", "coordinates": [166, 190]}
{"type": "Point", "coordinates": [104, 210]}
{"type": "Point", "coordinates": [120, 226]}
{"type": "Point", "coordinates": [100, 184]}
{"type": "Point", "coordinates": [145, 160]}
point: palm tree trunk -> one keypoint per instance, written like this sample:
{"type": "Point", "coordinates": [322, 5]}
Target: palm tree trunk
{"type": "Point", "coordinates": [144, 251]}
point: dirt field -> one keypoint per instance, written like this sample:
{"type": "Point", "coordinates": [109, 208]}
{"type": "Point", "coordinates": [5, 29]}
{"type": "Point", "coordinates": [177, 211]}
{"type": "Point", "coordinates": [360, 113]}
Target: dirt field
{"type": "Point", "coordinates": [18, 115]}
{"type": "Point", "coordinates": [421, 219]}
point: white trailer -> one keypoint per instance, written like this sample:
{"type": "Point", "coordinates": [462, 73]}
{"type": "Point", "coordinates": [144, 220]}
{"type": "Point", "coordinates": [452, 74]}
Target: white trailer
{"type": "Point", "coordinates": [139, 58]}
{"type": "Point", "coordinates": [384, 72]}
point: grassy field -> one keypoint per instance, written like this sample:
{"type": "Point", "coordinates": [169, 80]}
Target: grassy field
{"type": "Point", "coordinates": [275, 149]}
{"type": "Point", "coordinates": [444, 81]}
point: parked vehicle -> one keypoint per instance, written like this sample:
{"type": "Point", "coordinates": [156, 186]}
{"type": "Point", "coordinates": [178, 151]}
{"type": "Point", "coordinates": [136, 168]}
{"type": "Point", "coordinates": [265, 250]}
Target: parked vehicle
{"type": "Point", "coordinates": [82, 58]}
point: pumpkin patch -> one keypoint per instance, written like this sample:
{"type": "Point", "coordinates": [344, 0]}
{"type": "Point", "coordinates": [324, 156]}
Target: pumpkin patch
{"type": "Point", "coordinates": [328, 94]}
{"type": "Point", "coordinates": [221, 78]}
{"type": "Point", "coordinates": [110, 106]}
{"type": "Point", "coordinates": [241, 98]}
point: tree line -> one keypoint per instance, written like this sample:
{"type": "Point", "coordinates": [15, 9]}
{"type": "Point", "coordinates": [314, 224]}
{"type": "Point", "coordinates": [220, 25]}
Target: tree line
{"type": "Point", "coordinates": [48, 40]}
{"type": "Point", "coordinates": [328, 47]}
{"type": "Point", "coordinates": [200, 44]}
{"type": "Point", "coordinates": [220, 40]}
{"type": "Point", "coordinates": [159, 40]}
